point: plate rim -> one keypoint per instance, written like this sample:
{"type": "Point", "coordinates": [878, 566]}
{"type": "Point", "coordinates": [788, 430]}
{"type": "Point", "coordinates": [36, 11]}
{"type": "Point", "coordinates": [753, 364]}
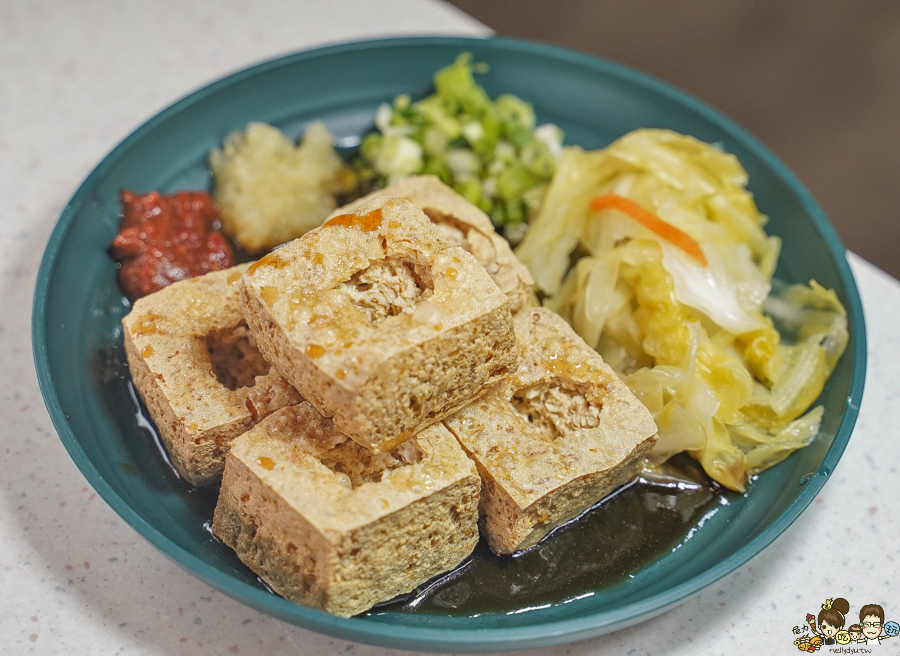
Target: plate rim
{"type": "Point", "coordinates": [418, 637]}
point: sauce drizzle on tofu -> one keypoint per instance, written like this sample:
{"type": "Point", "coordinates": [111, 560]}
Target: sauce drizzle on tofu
{"type": "Point", "coordinates": [368, 222]}
{"type": "Point", "coordinates": [271, 260]}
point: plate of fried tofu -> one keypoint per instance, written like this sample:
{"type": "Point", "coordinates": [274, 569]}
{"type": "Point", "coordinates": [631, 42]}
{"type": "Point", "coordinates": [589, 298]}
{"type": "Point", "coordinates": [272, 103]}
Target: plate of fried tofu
{"type": "Point", "coordinates": [374, 431]}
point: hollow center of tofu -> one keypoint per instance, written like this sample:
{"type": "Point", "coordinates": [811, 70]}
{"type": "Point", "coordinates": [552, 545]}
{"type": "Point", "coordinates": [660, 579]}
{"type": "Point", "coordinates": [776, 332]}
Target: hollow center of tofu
{"type": "Point", "coordinates": [455, 231]}
{"type": "Point", "coordinates": [557, 408]}
{"type": "Point", "coordinates": [235, 359]}
{"type": "Point", "coordinates": [470, 239]}
{"type": "Point", "coordinates": [390, 287]}
{"type": "Point", "coordinates": [356, 465]}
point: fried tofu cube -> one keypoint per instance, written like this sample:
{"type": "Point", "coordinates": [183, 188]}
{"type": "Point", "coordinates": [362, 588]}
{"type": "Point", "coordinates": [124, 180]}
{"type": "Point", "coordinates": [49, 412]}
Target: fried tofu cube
{"type": "Point", "coordinates": [464, 225]}
{"type": "Point", "coordinates": [554, 438]}
{"type": "Point", "coordinates": [196, 366]}
{"type": "Point", "coordinates": [329, 524]}
{"type": "Point", "coordinates": [380, 322]}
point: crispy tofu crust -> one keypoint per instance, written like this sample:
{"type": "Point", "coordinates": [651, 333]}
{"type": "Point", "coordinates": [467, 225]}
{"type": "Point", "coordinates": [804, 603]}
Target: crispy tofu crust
{"type": "Point", "coordinates": [380, 322]}
{"type": "Point", "coordinates": [195, 364]}
{"type": "Point", "coordinates": [554, 438]}
{"type": "Point", "coordinates": [464, 225]}
{"type": "Point", "coordinates": [334, 526]}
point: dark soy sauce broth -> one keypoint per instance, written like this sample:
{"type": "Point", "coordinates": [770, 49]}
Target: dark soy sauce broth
{"type": "Point", "coordinates": [625, 532]}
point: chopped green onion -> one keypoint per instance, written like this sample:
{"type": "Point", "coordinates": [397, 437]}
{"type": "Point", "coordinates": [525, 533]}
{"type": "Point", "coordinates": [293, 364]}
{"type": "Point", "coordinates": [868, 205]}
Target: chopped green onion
{"type": "Point", "coordinates": [489, 151]}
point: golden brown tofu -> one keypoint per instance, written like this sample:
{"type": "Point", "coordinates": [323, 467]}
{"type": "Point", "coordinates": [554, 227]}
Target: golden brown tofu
{"type": "Point", "coordinates": [196, 366]}
{"type": "Point", "coordinates": [554, 438]}
{"type": "Point", "coordinates": [380, 322]}
{"type": "Point", "coordinates": [332, 525]}
{"type": "Point", "coordinates": [464, 225]}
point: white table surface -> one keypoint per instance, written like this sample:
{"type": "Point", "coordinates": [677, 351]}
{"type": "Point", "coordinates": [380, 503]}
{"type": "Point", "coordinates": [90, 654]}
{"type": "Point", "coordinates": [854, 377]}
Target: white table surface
{"type": "Point", "coordinates": [75, 79]}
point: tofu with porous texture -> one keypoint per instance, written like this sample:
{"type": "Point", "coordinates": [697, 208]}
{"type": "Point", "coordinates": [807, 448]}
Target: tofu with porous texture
{"type": "Point", "coordinates": [332, 525]}
{"type": "Point", "coordinates": [465, 225]}
{"type": "Point", "coordinates": [196, 366]}
{"type": "Point", "coordinates": [554, 438]}
{"type": "Point", "coordinates": [380, 322]}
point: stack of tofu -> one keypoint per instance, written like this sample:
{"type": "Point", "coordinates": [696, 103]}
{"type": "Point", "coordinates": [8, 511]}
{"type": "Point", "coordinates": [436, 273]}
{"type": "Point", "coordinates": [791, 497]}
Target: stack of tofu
{"type": "Point", "coordinates": [376, 390]}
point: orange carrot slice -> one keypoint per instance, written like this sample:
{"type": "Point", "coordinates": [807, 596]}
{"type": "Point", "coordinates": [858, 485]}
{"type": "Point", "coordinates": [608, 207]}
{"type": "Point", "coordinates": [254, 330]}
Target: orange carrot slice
{"type": "Point", "coordinates": [649, 220]}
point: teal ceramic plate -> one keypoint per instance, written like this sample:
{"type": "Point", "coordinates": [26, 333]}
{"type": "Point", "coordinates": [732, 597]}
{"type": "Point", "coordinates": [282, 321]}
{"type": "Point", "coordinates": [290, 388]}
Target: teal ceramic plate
{"type": "Point", "coordinates": [77, 308]}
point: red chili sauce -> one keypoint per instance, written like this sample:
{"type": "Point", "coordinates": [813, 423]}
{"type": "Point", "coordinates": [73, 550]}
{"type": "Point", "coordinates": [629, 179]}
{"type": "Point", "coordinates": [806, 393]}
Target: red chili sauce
{"type": "Point", "coordinates": [164, 239]}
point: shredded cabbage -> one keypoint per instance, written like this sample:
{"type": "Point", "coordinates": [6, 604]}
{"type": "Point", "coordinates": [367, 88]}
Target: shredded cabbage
{"type": "Point", "coordinates": [727, 360]}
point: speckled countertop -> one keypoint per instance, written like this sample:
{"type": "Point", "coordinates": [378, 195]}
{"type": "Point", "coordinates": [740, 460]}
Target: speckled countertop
{"type": "Point", "coordinates": [75, 79]}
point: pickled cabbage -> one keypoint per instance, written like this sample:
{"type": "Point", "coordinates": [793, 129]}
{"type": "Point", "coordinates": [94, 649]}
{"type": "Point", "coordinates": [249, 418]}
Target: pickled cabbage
{"type": "Point", "coordinates": [727, 365]}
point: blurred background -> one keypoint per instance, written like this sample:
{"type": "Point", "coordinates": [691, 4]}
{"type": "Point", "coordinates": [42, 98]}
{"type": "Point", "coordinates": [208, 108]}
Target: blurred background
{"type": "Point", "coordinates": [818, 81]}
